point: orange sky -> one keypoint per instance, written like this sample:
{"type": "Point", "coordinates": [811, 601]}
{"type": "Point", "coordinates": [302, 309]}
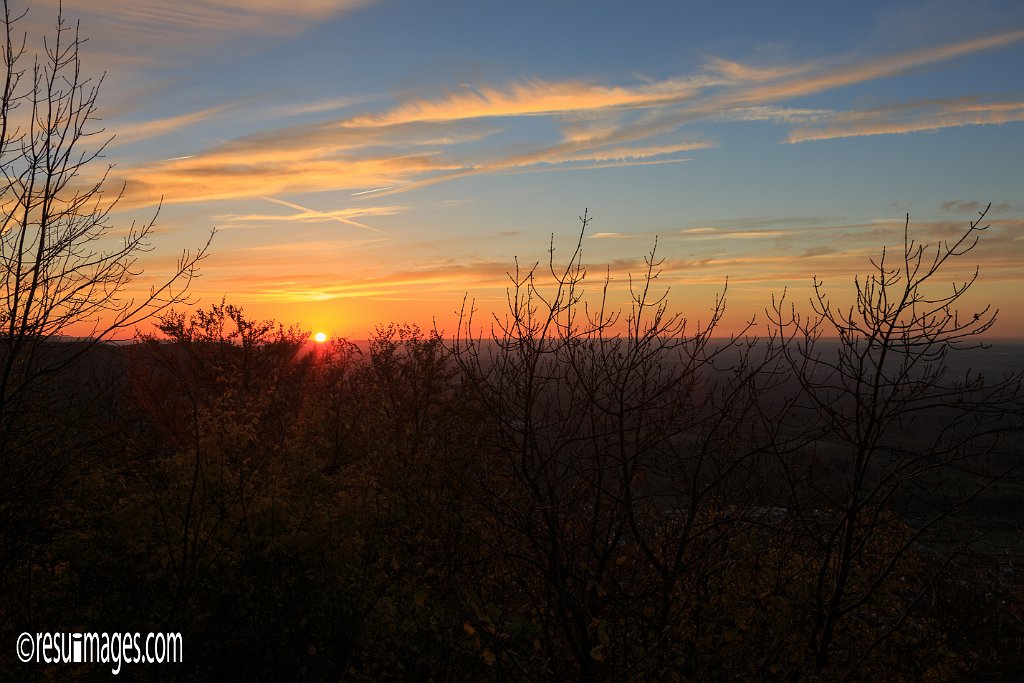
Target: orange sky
{"type": "Point", "coordinates": [368, 161]}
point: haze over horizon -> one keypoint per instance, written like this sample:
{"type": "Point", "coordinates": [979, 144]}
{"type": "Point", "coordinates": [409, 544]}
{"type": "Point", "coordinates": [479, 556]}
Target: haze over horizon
{"type": "Point", "coordinates": [374, 161]}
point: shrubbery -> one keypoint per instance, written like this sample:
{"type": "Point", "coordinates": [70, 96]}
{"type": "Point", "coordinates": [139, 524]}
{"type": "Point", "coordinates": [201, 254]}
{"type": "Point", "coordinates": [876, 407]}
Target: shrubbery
{"type": "Point", "coordinates": [542, 499]}
{"type": "Point", "coordinates": [569, 492]}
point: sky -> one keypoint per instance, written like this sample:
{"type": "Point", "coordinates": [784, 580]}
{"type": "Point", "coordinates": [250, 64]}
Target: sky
{"type": "Point", "coordinates": [374, 161]}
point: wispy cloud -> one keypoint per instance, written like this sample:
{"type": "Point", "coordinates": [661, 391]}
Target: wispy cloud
{"type": "Point", "coordinates": [536, 97]}
{"type": "Point", "coordinates": [735, 72]}
{"type": "Point", "coordinates": [126, 132]}
{"type": "Point", "coordinates": [619, 153]}
{"type": "Point", "coordinates": [171, 27]}
{"type": "Point", "coordinates": [909, 118]}
{"type": "Point", "coordinates": [713, 233]}
{"type": "Point", "coordinates": [280, 269]}
{"type": "Point", "coordinates": [966, 207]}
{"type": "Point", "coordinates": [280, 283]}
{"type": "Point", "coordinates": [871, 69]}
{"type": "Point", "coordinates": [777, 114]}
{"type": "Point", "coordinates": [259, 173]}
{"type": "Point", "coordinates": [423, 142]}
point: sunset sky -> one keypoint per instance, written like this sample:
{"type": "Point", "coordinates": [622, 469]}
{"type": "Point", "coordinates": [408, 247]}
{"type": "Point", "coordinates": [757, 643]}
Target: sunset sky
{"type": "Point", "coordinates": [374, 161]}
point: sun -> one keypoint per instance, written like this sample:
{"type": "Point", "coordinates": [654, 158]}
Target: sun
{"type": "Point", "coordinates": [320, 337]}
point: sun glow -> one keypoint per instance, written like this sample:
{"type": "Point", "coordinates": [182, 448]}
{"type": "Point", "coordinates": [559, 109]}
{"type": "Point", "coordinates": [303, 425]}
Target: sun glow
{"type": "Point", "coordinates": [319, 337]}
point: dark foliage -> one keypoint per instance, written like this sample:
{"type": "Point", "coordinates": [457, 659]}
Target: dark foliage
{"type": "Point", "coordinates": [544, 501]}
{"type": "Point", "coordinates": [569, 492]}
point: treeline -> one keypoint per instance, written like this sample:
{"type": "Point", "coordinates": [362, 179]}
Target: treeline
{"type": "Point", "coordinates": [561, 493]}
{"type": "Point", "coordinates": [537, 498]}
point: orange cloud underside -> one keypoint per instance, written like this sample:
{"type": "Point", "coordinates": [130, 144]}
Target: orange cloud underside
{"type": "Point", "coordinates": [347, 286]}
{"type": "Point", "coordinates": [346, 267]}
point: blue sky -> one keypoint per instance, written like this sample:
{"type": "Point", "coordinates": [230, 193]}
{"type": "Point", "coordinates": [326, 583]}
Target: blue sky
{"type": "Point", "coordinates": [374, 161]}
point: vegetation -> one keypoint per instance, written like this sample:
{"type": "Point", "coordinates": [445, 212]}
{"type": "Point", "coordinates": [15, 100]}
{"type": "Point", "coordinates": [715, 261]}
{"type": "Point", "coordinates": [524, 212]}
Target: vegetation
{"type": "Point", "coordinates": [546, 500]}
{"type": "Point", "coordinates": [63, 267]}
{"type": "Point", "coordinates": [539, 498]}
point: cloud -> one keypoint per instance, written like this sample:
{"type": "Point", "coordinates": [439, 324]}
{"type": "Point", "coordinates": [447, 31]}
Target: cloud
{"type": "Point", "coordinates": [150, 31]}
{"type": "Point", "coordinates": [328, 156]}
{"type": "Point", "coordinates": [331, 138]}
{"type": "Point", "coordinates": [960, 205]}
{"type": "Point", "coordinates": [422, 142]}
{"type": "Point", "coordinates": [735, 72]}
{"type": "Point", "coordinates": [909, 118]}
{"type": "Point", "coordinates": [588, 130]}
{"type": "Point", "coordinates": [278, 281]}
{"type": "Point", "coordinates": [128, 132]}
{"type": "Point", "coordinates": [967, 207]}
{"type": "Point", "coordinates": [535, 97]}
{"type": "Point", "coordinates": [871, 69]}
{"type": "Point", "coordinates": [283, 270]}
{"type": "Point", "coordinates": [718, 233]}
{"type": "Point", "coordinates": [618, 153]}
{"type": "Point", "coordinates": [777, 114]}
{"type": "Point", "coordinates": [271, 171]}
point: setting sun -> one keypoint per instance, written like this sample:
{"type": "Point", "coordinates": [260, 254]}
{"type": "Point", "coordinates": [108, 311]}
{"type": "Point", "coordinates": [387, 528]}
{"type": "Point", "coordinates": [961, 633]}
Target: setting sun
{"type": "Point", "coordinates": [319, 337]}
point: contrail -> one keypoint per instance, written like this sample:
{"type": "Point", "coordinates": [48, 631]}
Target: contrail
{"type": "Point", "coordinates": [325, 214]}
{"type": "Point", "coordinates": [379, 189]}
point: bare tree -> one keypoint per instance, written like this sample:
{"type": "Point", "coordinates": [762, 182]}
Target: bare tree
{"type": "Point", "coordinates": [888, 424]}
{"type": "Point", "coordinates": [658, 501]}
{"type": "Point", "coordinates": [64, 268]}
{"type": "Point", "coordinates": [605, 460]}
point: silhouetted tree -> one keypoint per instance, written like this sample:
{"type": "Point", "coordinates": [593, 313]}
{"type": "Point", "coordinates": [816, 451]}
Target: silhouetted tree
{"type": "Point", "coordinates": [610, 478]}
{"type": "Point", "coordinates": [878, 420]}
{"type": "Point", "coordinates": [65, 273]}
